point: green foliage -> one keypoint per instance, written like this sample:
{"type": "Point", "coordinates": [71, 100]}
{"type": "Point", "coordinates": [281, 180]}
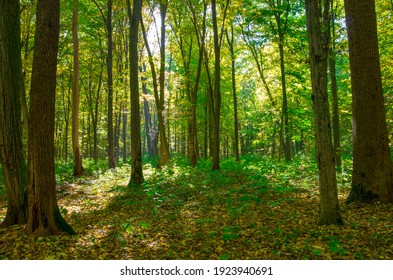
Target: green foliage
{"type": "Point", "coordinates": [255, 209]}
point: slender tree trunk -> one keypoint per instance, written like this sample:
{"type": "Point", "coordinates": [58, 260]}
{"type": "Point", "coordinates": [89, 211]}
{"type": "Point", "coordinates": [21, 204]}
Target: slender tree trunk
{"type": "Point", "coordinates": [285, 119]}
{"type": "Point", "coordinates": [372, 176]}
{"type": "Point", "coordinates": [78, 168]}
{"type": "Point", "coordinates": [44, 217]}
{"type": "Point", "coordinates": [136, 147]}
{"type": "Point", "coordinates": [11, 147]}
{"type": "Point", "coordinates": [164, 148]}
{"type": "Point", "coordinates": [318, 39]}
{"type": "Point", "coordinates": [333, 87]}
{"type": "Point", "coordinates": [109, 64]}
{"type": "Point", "coordinates": [216, 91]}
{"type": "Point", "coordinates": [235, 117]}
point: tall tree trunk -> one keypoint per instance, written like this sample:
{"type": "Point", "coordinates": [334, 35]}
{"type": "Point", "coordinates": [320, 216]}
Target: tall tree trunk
{"type": "Point", "coordinates": [164, 147]}
{"type": "Point", "coordinates": [216, 91]}
{"type": "Point", "coordinates": [11, 147]}
{"type": "Point", "coordinates": [136, 147]}
{"type": "Point", "coordinates": [318, 40]}
{"type": "Point", "coordinates": [44, 217]}
{"type": "Point", "coordinates": [109, 64]}
{"type": "Point", "coordinates": [235, 117]}
{"type": "Point", "coordinates": [333, 87]}
{"type": "Point", "coordinates": [372, 176]}
{"type": "Point", "coordinates": [78, 168]}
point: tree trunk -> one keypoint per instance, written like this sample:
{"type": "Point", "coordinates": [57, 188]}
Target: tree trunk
{"type": "Point", "coordinates": [44, 217]}
{"type": "Point", "coordinates": [136, 145]}
{"type": "Point", "coordinates": [318, 40]}
{"type": "Point", "coordinates": [216, 92]}
{"type": "Point", "coordinates": [11, 147]}
{"type": "Point", "coordinates": [372, 177]}
{"type": "Point", "coordinates": [109, 64]}
{"type": "Point", "coordinates": [78, 168]}
{"type": "Point", "coordinates": [236, 122]}
{"type": "Point", "coordinates": [333, 87]}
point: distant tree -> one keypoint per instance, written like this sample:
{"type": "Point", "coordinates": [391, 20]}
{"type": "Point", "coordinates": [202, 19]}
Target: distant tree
{"type": "Point", "coordinates": [372, 176]}
{"type": "Point", "coordinates": [318, 41]}
{"type": "Point", "coordinates": [11, 148]}
{"type": "Point", "coordinates": [78, 167]}
{"type": "Point", "coordinates": [109, 65]}
{"type": "Point", "coordinates": [44, 217]}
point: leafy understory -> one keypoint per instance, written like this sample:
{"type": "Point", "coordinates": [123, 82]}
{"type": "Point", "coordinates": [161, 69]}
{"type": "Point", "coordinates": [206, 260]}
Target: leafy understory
{"type": "Point", "coordinates": [248, 210]}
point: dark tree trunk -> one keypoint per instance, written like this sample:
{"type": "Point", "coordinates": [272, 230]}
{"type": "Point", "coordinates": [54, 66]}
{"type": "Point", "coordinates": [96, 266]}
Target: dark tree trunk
{"type": "Point", "coordinates": [11, 147]}
{"type": "Point", "coordinates": [372, 177]}
{"type": "Point", "coordinates": [164, 147]}
{"type": "Point", "coordinates": [78, 168]}
{"type": "Point", "coordinates": [333, 87]}
{"type": "Point", "coordinates": [109, 64]}
{"type": "Point", "coordinates": [216, 91]}
{"type": "Point", "coordinates": [236, 122]}
{"type": "Point", "coordinates": [136, 148]}
{"type": "Point", "coordinates": [318, 40]}
{"type": "Point", "coordinates": [44, 217]}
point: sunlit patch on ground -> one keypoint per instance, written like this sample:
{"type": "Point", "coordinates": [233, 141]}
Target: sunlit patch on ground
{"type": "Point", "coordinates": [181, 213]}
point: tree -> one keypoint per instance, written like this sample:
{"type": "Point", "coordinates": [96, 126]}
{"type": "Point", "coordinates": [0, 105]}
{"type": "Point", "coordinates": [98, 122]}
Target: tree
{"type": "Point", "coordinates": [216, 104]}
{"type": "Point", "coordinates": [135, 17]}
{"type": "Point", "coordinates": [333, 87]}
{"type": "Point", "coordinates": [372, 177]}
{"type": "Point", "coordinates": [159, 84]}
{"type": "Point", "coordinates": [318, 41]}
{"type": "Point", "coordinates": [109, 64]}
{"type": "Point", "coordinates": [235, 115]}
{"type": "Point", "coordinates": [44, 217]}
{"type": "Point", "coordinates": [78, 168]}
{"type": "Point", "coordinates": [11, 147]}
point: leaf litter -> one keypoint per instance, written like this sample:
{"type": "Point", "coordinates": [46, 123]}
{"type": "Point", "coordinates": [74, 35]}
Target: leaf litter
{"type": "Point", "coordinates": [182, 213]}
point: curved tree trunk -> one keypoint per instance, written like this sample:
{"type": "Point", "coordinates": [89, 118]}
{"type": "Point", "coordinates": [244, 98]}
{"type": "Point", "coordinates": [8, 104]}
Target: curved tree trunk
{"type": "Point", "coordinates": [11, 148]}
{"type": "Point", "coordinates": [44, 216]}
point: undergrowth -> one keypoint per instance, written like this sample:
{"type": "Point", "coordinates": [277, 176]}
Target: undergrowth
{"type": "Point", "coordinates": [252, 209]}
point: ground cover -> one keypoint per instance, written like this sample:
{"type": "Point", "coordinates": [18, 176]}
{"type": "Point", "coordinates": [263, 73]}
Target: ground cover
{"type": "Point", "coordinates": [255, 209]}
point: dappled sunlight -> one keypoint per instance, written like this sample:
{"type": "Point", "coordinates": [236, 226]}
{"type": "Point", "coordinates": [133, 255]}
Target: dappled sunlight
{"type": "Point", "coordinates": [249, 212]}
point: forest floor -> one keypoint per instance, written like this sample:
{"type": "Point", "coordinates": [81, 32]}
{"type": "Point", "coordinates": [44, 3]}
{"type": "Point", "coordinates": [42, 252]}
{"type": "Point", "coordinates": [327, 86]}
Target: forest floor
{"type": "Point", "coordinates": [252, 210]}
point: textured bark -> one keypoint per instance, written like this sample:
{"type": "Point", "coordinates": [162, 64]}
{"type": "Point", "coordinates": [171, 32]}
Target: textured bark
{"type": "Point", "coordinates": [44, 217]}
{"type": "Point", "coordinates": [136, 145]}
{"type": "Point", "coordinates": [11, 148]}
{"type": "Point", "coordinates": [318, 40]}
{"type": "Point", "coordinates": [372, 176]}
{"type": "Point", "coordinates": [78, 168]}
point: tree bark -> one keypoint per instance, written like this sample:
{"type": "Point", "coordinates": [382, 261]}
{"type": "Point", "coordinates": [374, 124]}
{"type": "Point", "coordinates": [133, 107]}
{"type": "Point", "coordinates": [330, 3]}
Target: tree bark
{"type": "Point", "coordinates": [11, 147]}
{"type": "Point", "coordinates": [318, 41]}
{"type": "Point", "coordinates": [372, 176]}
{"type": "Point", "coordinates": [109, 64]}
{"type": "Point", "coordinates": [78, 168]}
{"type": "Point", "coordinates": [216, 91]}
{"type": "Point", "coordinates": [333, 87]}
{"type": "Point", "coordinates": [44, 217]}
{"type": "Point", "coordinates": [136, 145]}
